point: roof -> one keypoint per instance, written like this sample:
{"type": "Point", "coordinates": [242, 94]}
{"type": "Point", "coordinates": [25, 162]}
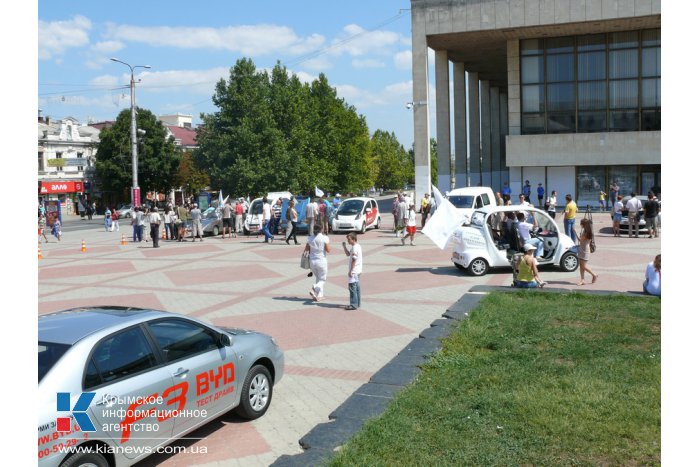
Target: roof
{"type": "Point", "coordinates": [70, 326]}
{"type": "Point", "coordinates": [184, 136]}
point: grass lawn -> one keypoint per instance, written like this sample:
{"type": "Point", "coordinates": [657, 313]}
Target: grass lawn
{"type": "Point", "coordinates": [531, 379]}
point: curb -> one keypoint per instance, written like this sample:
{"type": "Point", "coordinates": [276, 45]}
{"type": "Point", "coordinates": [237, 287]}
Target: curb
{"type": "Point", "coordinates": [372, 398]}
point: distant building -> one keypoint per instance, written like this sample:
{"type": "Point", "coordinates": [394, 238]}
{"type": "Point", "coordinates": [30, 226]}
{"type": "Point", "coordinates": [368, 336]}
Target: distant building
{"type": "Point", "coordinates": [66, 159]}
{"type": "Point", "coordinates": [559, 92]}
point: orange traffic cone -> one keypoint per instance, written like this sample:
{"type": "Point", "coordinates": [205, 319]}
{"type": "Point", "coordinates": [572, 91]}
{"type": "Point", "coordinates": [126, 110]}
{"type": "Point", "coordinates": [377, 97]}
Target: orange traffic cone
{"type": "Point", "coordinates": [40, 257]}
{"type": "Point", "coordinates": [123, 240]}
{"type": "Point", "coordinates": [162, 236]}
{"type": "Point", "coordinates": [83, 248]}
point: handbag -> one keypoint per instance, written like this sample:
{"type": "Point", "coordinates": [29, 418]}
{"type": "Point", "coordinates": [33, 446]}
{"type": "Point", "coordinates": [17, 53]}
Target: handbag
{"type": "Point", "coordinates": [304, 263]}
{"type": "Point", "coordinates": [592, 246]}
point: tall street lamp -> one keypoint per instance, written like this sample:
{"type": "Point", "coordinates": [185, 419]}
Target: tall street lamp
{"type": "Point", "coordinates": [135, 191]}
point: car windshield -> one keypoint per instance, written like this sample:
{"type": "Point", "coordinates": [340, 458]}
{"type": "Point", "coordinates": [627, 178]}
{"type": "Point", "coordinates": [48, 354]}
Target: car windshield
{"type": "Point", "coordinates": [211, 214]}
{"type": "Point", "coordinates": [49, 354]}
{"type": "Point", "coordinates": [350, 207]}
{"type": "Point", "coordinates": [478, 218]}
{"type": "Point", "coordinates": [256, 207]}
{"type": "Point", "coordinates": [462, 201]}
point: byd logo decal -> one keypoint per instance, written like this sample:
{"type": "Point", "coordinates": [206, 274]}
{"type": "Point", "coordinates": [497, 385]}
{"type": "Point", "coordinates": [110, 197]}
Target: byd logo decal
{"type": "Point", "coordinates": [79, 411]}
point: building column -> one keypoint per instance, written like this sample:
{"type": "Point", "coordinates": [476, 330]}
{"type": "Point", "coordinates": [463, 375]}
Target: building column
{"type": "Point", "coordinates": [485, 98]}
{"type": "Point", "coordinates": [495, 137]}
{"type": "Point", "coordinates": [503, 108]}
{"type": "Point", "coordinates": [460, 109]}
{"type": "Point", "coordinates": [442, 118]}
{"type": "Point", "coordinates": [513, 64]}
{"type": "Point", "coordinates": [421, 127]}
{"type": "Point", "coordinates": [474, 130]}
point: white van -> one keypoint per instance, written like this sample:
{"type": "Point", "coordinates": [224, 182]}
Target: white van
{"type": "Point", "coordinates": [253, 220]}
{"type": "Point", "coordinates": [470, 198]}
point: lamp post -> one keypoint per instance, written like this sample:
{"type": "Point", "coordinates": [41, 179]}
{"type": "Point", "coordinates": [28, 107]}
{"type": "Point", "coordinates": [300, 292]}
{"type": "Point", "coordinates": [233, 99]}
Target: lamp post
{"type": "Point", "coordinates": [135, 191]}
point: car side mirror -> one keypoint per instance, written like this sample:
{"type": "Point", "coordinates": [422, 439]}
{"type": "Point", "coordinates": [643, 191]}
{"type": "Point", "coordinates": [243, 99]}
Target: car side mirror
{"type": "Point", "coordinates": [224, 340]}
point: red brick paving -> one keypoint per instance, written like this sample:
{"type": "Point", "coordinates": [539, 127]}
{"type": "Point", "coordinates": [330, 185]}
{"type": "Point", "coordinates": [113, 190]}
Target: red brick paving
{"type": "Point", "coordinates": [221, 274]}
{"type": "Point", "coordinates": [116, 267]}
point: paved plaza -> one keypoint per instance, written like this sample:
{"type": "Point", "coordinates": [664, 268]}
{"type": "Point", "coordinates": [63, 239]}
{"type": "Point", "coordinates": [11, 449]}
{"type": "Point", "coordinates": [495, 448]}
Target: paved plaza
{"type": "Point", "coordinates": [330, 352]}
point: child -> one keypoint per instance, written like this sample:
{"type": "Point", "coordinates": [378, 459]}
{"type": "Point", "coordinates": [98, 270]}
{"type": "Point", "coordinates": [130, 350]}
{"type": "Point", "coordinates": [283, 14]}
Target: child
{"type": "Point", "coordinates": [56, 229]}
{"type": "Point", "coordinates": [410, 225]}
{"type": "Point", "coordinates": [42, 228]}
{"type": "Point", "coordinates": [354, 270]}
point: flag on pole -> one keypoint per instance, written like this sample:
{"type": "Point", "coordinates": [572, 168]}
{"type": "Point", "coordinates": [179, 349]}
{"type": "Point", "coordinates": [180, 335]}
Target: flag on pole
{"type": "Point", "coordinates": [319, 193]}
{"type": "Point", "coordinates": [443, 223]}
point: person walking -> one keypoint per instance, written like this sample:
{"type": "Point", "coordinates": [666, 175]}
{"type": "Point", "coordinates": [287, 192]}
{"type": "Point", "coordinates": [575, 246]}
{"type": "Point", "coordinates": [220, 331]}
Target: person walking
{"type": "Point", "coordinates": [292, 219]}
{"type": "Point", "coordinates": [108, 219]}
{"type": "Point", "coordinates": [170, 219]}
{"type": "Point", "coordinates": [56, 229]}
{"type": "Point", "coordinates": [115, 221]}
{"type": "Point", "coordinates": [311, 213]}
{"type": "Point", "coordinates": [196, 215]}
{"type": "Point", "coordinates": [403, 217]}
{"type": "Point", "coordinates": [651, 211]}
{"type": "Point", "coordinates": [134, 224]}
{"type": "Point", "coordinates": [266, 219]}
{"type": "Point", "coordinates": [354, 253]}
{"type": "Point", "coordinates": [42, 227]}
{"type": "Point", "coordinates": [527, 189]}
{"type": "Point", "coordinates": [395, 213]}
{"type": "Point", "coordinates": [141, 216]}
{"type": "Point", "coordinates": [570, 218]}
{"type": "Point", "coordinates": [633, 207]}
{"type": "Point", "coordinates": [276, 216]}
{"type": "Point", "coordinates": [617, 216]}
{"type": "Point", "coordinates": [614, 192]}
{"type": "Point", "coordinates": [317, 247]}
{"type": "Point", "coordinates": [552, 205]}
{"type": "Point", "coordinates": [584, 250]}
{"type": "Point", "coordinates": [154, 220]}
{"type": "Point", "coordinates": [410, 225]}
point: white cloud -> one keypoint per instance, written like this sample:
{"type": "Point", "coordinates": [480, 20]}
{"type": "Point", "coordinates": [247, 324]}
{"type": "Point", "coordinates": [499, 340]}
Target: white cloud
{"type": "Point", "coordinates": [403, 60]}
{"type": "Point", "coordinates": [105, 80]}
{"type": "Point", "coordinates": [357, 41]}
{"type": "Point", "coordinates": [317, 63]}
{"type": "Point", "coordinates": [107, 47]}
{"type": "Point", "coordinates": [367, 63]}
{"type": "Point", "coordinates": [196, 81]}
{"type": "Point", "coordinates": [255, 40]}
{"type": "Point", "coordinates": [55, 37]}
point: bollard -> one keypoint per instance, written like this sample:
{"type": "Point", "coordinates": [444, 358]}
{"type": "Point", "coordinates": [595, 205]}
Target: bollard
{"type": "Point", "coordinates": [83, 248]}
{"type": "Point", "coordinates": [123, 240]}
{"type": "Point", "coordinates": [40, 257]}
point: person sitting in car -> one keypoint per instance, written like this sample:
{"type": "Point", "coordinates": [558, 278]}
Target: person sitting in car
{"type": "Point", "coordinates": [524, 229]}
{"type": "Point", "coordinates": [528, 277]}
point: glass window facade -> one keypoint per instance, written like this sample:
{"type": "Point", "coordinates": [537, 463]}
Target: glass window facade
{"type": "Point", "coordinates": [591, 83]}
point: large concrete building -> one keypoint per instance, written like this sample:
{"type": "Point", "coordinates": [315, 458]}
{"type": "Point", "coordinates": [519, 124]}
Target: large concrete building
{"type": "Point", "coordinates": [560, 92]}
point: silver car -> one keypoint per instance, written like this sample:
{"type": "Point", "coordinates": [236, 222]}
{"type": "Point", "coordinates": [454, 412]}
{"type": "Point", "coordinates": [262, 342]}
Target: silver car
{"type": "Point", "coordinates": [116, 384]}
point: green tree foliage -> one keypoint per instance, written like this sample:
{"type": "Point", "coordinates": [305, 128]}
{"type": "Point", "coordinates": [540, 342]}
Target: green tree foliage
{"type": "Point", "coordinates": [272, 132]}
{"type": "Point", "coordinates": [393, 165]}
{"type": "Point", "coordinates": [189, 176]}
{"type": "Point", "coordinates": [158, 157]}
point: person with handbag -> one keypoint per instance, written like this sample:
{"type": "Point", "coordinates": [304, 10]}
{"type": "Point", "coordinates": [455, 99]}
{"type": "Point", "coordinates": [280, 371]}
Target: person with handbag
{"type": "Point", "coordinates": [292, 219]}
{"type": "Point", "coordinates": [586, 246]}
{"type": "Point", "coordinates": [317, 247]}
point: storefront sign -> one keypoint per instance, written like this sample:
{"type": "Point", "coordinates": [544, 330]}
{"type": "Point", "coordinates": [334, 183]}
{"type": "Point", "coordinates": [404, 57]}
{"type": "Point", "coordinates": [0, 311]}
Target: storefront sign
{"type": "Point", "coordinates": [61, 187]}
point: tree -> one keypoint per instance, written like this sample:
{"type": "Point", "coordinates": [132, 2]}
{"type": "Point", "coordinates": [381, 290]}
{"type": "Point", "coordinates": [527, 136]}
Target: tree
{"type": "Point", "coordinates": [158, 157]}
{"type": "Point", "coordinates": [390, 161]}
{"type": "Point", "coordinates": [272, 132]}
{"type": "Point", "coordinates": [188, 175]}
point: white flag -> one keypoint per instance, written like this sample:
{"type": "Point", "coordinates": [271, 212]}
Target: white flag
{"type": "Point", "coordinates": [438, 196]}
{"type": "Point", "coordinates": [443, 223]}
{"type": "Point", "coordinates": [319, 193]}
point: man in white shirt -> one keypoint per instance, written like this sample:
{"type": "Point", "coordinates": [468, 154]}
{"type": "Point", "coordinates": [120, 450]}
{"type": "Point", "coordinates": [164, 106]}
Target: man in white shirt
{"type": "Point", "coordinates": [154, 220]}
{"type": "Point", "coordinates": [524, 229]}
{"type": "Point", "coordinates": [633, 207]}
{"type": "Point", "coordinates": [311, 213]}
{"type": "Point", "coordinates": [267, 217]}
{"type": "Point", "coordinates": [354, 270]}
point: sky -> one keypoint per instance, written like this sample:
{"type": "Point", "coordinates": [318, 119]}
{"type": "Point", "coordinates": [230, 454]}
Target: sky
{"type": "Point", "coordinates": [363, 47]}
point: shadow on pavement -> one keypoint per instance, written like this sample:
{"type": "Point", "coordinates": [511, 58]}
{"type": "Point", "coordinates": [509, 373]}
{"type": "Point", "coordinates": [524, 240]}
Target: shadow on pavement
{"type": "Point", "coordinates": [439, 271]}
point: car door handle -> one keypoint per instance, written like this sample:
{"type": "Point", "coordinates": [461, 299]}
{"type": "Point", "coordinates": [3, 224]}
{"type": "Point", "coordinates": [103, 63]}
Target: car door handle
{"type": "Point", "coordinates": [180, 372]}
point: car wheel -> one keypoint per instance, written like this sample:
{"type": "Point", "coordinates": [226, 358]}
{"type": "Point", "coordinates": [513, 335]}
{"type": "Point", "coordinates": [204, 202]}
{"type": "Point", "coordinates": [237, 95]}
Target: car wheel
{"type": "Point", "coordinates": [379, 221]}
{"type": "Point", "coordinates": [80, 459]}
{"type": "Point", "coordinates": [364, 227]}
{"type": "Point", "coordinates": [246, 231]}
{"type": "Point", "coordinates": [127, 215]}
{"type": "Point", "coordinates": [215, 231]}
{"type": "Point", "coordinates": [257, 393]}
{"type": "Point", "coordinates": [478, 267]}
{"type": "Point", "coordinates": [569, 262]}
